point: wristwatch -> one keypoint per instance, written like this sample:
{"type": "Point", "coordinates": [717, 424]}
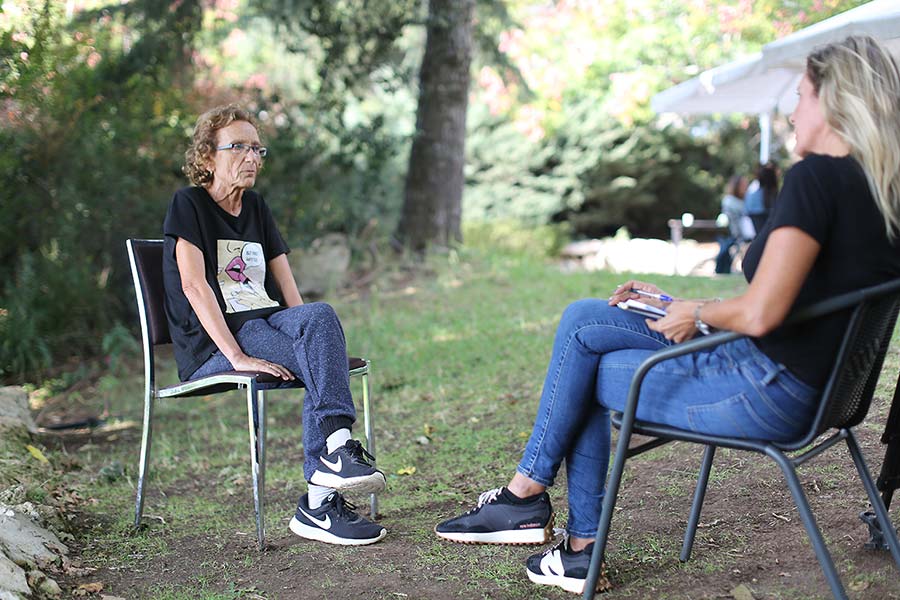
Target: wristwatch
{"type": "Point", "coordinates": [701, 326]}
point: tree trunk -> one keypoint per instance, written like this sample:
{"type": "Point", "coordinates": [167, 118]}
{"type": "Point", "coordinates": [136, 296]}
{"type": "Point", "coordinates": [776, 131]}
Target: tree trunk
{"type": "Point", "coordinates": [432, 203]}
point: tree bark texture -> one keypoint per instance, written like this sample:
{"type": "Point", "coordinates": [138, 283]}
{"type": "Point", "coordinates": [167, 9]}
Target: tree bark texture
{"type": "Point", "coordinates": [432, 203]}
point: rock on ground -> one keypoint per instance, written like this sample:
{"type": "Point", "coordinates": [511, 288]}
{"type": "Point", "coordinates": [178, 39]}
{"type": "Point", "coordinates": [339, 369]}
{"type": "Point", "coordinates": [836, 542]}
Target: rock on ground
{"type": "Point", "coordinates": [323, 266]}
{"type": "Point", "coordinates": [25, 545]}
{"type": "Point", "coordinates": [16, 423]}
{"type": "Point", "coordinates": [12, 579]}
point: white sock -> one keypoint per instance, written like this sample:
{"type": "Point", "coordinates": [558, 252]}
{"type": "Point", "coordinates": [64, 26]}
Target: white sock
{"type": "Point", "coordinates": [317, 494]}
{"type": "Point", "coordinates": [337, 439]}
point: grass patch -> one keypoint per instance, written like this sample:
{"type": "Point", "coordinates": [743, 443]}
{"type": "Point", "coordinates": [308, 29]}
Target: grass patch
{"type": "Point", "coordinates": [458, 347]}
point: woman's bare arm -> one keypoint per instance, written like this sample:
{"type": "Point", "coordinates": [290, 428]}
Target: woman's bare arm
{"type": "Point", "coordinates": [284, 279]}
{"type": "Point", "coordinates": [786, 261]}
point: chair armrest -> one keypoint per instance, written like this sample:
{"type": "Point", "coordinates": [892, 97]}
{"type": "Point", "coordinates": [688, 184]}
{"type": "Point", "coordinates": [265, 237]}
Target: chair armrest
{"type": "Point", "coordinates": [844, 301]}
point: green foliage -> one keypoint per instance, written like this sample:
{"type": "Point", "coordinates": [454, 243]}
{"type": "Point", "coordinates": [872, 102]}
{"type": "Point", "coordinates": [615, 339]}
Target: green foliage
{"type": "Point", "coordinates": [324, 176]}
{"type": "Point", "coordinates": [97, 107]}
{"type": "Point", "coordinates": [645, 176]}
{"type": "Point", "coordinates": [356, 37]}
{"type": "Point", "coordinates": [88, 142]}
{"type": "Point", "coordinates": [118, 345]}
{"type": "Point", "coordinates": [510, 236]}
{"type": "Point", "coordinates": [336, 109]}
{"type": "Point", "coordinates": [585, 147]}
{"type": "Point", "coordinates": [598, 174]}
{"type": "Point", "coordinates": [22, 347]}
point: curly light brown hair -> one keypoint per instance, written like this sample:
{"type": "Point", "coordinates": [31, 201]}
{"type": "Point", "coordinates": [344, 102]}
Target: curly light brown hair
{"type": "Point", "coordinates": [203, 142]}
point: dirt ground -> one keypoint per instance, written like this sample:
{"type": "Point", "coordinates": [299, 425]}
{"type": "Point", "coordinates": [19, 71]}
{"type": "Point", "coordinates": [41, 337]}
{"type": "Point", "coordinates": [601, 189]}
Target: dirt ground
{"type": "Point", "coordinates": [750, 541]}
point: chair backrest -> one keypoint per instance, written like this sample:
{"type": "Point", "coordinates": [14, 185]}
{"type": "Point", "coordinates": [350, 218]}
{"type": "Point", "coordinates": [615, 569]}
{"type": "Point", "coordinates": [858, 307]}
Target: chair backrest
{"type": "Point", "coordinates": [146, 257]}
{"type": "Point", "coordinates": [849, 390]}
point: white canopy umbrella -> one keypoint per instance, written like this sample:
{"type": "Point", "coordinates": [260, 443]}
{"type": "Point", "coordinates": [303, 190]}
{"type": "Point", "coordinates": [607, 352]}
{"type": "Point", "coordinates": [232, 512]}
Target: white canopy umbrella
{"type": "Point", "coordinates": [742, 86]}
{"type": "Point", "coordinates": [766, 81]}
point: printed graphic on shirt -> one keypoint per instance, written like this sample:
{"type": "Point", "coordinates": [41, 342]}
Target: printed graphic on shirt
{"type": "Point", "coordinates": [241, 275]}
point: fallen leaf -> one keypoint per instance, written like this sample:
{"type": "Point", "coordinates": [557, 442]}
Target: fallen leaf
{"type": "Point", "coordinates": [428, 429]}
{"type": "Point", "coordinates": [860, 585]}
{"type": "Point", "coordinates": [35, 452]}
{"type": "Point", "coordinates": [781, 517]}
{"type": "Point", "coordinates": [406, 471]}
{"type": "Point", "coordinates": [88, 588]}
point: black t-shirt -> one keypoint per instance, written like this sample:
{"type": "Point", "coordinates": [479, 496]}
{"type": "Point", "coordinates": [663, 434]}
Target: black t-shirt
{"type": "Point", "coordinates": [828, 198]}
{"type": "Point", "coordinates": [236, 252]}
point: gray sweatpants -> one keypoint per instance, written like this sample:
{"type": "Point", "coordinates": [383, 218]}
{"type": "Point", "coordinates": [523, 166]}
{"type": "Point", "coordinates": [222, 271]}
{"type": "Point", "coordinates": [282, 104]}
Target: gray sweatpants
{"type": "Point", "coordinates": [307, 340]}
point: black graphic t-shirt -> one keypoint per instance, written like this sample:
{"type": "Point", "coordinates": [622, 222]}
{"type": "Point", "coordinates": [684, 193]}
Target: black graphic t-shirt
{"type": "Point", "coordinates": [828, 198]}
{"type": "Point", "coordinates": [236, 252]}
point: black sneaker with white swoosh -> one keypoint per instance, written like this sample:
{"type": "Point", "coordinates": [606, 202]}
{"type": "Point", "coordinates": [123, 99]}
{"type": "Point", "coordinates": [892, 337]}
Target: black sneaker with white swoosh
{"type": "Point", "coordinates": [348, 470]}
{"type": "Point", "coordinates": [566, 568]}
{"type": "Point", "coordinates": [335, 522]}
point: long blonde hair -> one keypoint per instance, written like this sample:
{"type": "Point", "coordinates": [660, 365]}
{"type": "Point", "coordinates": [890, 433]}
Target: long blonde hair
{"type": "Point", "coordinates": [858, 85]}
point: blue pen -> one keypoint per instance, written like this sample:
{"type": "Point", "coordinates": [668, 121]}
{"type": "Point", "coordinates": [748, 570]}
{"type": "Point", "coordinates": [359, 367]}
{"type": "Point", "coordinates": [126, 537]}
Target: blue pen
{"type": "Point", "coordinates": [663, 297]}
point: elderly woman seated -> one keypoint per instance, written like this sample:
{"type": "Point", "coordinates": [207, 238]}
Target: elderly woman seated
{"type": "Point", "coordinates": [232, 304]}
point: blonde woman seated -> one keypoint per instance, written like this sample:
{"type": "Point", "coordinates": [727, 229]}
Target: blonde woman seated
{"type": "Point", "coordinates": [834, 229]}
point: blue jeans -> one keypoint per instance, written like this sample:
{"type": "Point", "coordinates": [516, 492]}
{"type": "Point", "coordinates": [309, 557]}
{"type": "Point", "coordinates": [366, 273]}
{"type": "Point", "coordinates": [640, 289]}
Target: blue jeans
{"type": "Point", "coordinates": [724, 258]}
{"type": "Point", "coordinates": [733, 389]}
{"type": "Point", "coordinates": [307, 340]}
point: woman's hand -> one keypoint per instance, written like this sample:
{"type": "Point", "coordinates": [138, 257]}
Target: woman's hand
{"type": "Point", "coordinates": [259, 365]}
{"type": "Point", "coordinates": [678, 324]}
{"type": "Point", "coordinates": [623, 293]}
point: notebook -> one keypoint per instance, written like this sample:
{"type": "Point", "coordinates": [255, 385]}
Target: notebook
{"type": "Point", "coordinates": [642, 309]}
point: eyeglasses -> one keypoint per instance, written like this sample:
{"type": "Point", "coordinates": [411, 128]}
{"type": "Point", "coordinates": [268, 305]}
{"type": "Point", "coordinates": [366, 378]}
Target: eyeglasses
{"type": "Point", "coordinates": [240, 148]}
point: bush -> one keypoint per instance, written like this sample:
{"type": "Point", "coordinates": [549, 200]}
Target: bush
{"type": "Point", "coordinates": [599, 175]}
{"type": "Point", "coordinates": [91, 152]}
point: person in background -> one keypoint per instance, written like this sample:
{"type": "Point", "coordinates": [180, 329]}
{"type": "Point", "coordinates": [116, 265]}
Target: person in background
{"type": "Point", "coordinates": [835, 228]}
{"type": "Point", "coordinates": [232, 305]}
{"type": "Point", "coordinates": [733, 208]}
{"type": "Point", "coordinates": [761, 197]}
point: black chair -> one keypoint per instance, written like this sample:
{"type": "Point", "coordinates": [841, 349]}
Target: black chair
{"type": "Point", "coordinates": [844, 404]}
{"type": "Point", "coordinates": [146, 257]}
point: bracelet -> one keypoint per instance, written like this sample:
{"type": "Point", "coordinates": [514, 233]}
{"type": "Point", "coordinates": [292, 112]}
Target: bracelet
{"type": "Point", "coordinates": [701, 326]}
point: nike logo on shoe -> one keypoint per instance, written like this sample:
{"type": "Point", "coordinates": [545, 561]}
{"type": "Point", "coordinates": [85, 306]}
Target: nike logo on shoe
{"type": "Point", "coordinates": [323, 523]}
{"type": "Point", "coordinates": [334, 466]}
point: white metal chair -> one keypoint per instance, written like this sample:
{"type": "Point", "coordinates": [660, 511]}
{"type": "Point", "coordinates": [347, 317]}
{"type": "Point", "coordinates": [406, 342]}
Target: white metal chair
{"type": "Point", "coordinates": [146, 258]}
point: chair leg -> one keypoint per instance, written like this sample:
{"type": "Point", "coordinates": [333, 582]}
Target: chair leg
{"type": "Point", "coordinates": [809, 522]}
{"type": "Point", "coordinates": [262, 430]}
{"type": "Point", "coordinates": [144, 464]}
{"type": "Point", "coordinates": [256, 471]}
{"type": "Point", "coordinates": [884, 519]}
{"type": "Point", "coordinates": [370, 437]}
{"type": "Point", "coordinates": [609, 505]}
{"type": "Point", "coordinates": [697, 505]}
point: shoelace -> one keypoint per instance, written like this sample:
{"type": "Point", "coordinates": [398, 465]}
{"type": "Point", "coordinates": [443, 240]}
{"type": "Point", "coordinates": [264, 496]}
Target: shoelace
{"type": "Point", "coordinates": [344, 506]}
{"type": "Point", "coordinates": [486, 498]}
{"type": "Point", "coordinates": [357, 453]}
{"type": "Point", "coordinates": [564, 542]}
